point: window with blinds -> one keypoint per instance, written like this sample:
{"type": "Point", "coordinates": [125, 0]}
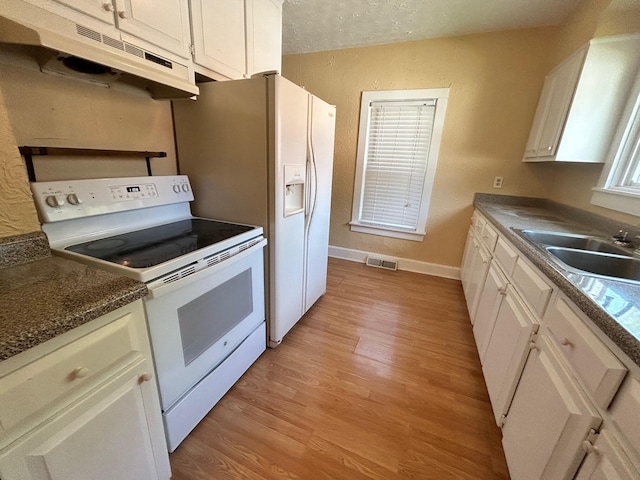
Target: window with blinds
{"type": "Point", "coordinates": [396, 157]}
{"type": "Point", "coordinates": [396, 161]}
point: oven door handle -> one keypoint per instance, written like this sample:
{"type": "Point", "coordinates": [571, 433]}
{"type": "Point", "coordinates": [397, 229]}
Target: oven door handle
{"type": "Point", "coordinates": [158, 288]}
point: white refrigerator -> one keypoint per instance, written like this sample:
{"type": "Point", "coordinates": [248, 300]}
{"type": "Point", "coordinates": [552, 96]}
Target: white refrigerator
{"type": "Point", "coordinates": [260, 151]}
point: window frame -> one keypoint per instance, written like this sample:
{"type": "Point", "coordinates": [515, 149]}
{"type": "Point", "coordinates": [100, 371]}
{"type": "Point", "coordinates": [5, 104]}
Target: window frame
{"type": "Point", "coordinates": [624, 156]}
{"type": "Point", "coordinates": [441, 96]}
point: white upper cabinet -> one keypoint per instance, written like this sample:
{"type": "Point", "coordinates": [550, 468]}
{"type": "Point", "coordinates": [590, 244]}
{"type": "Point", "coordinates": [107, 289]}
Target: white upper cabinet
{"type": "Point", "coordinates": [165, 25]}
{"type": "Point", "coordinates": [581, 101]}
{"type": "Point", "coordinates": [234, 39]}
{"type": "Point", "coordinates": [219, 47]}
{"type": "Point", "coordinates": [142, 23]}
{"type": "Point", "coordinates": [553, 106]}
{"type": "Point", "coordinates": [100, 10]}
{"type": "Point", "coordinates": [264, 36]}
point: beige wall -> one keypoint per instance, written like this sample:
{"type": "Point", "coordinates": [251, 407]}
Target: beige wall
{"type": "Point", "coordinates": [44, 110]}
{"type": "Point", "coordinates": [17, 215]}
{"type": "Point", "coordinates": [571, 184]}
{"type": "Point", "coordinates": [495, 80]}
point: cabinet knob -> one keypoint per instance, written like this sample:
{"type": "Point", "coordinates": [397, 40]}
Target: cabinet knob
{"type": "Point", "coordinates": [122, 14]}
{"type": "Point", "coordinates": [566, 342]}
{"type": "Point", "coordinates": [589, 447]}
{"type": "Point", "coordinates": [549, 148]}
{"type": "Point", "coordinates": [108, 6]}
{"type": "Point", "coordinates": [533, 346]}
{"type": "Point", "coordinates": [80, 372]}
{"type": "Point", "coordinates": [145, 377]}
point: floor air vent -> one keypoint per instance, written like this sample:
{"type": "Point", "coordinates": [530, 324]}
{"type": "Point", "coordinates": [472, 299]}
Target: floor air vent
{"type": "Point", "coordinates": [381, 263]}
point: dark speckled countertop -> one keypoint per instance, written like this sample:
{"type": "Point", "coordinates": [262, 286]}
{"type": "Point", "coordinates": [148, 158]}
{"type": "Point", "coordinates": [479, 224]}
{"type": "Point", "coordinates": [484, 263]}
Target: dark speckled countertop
{"type": "Point", "coordinates": [42, 296]}
{"type": "Point", "coordinates": [612, 305]}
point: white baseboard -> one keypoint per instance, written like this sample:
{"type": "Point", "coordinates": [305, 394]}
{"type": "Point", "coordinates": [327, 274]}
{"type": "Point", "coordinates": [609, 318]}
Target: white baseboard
{"type": "Point", "coordinates": [407, 264]}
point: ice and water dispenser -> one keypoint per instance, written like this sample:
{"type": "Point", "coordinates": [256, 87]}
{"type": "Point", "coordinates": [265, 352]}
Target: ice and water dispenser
{"type": "Point", "coordinates": [294, 181]}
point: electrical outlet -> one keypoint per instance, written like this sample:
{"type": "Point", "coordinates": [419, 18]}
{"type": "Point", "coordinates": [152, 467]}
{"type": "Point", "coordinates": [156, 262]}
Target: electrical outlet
{"type": "Point", "coordinates": [497, 182]}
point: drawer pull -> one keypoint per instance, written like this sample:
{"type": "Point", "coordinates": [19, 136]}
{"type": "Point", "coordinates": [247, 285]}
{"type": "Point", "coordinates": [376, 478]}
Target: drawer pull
{"type": "Point", "coordinates": [145, 377]}
{"type": "Point", "coordinates": [80, 372]}
{"type": "Point", "coordinates": [502, 291]}
{"type": "Point", "coordinates": [566, 342]}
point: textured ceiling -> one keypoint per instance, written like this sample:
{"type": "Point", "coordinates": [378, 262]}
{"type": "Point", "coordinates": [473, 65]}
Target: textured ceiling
{"type": "Point", "coordinates": [317, 25]}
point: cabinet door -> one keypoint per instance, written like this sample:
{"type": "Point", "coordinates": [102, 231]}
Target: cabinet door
{"type": "Point", "coordinates": [264, 36]}
{"type": "Point", "coordinates": [606, 461]}
{"type": "Point", "coordinates": [465, 267]}
{"type": "Point", "coordinates": [478, 269]}
{"type": "Point", "coordinates": [99, 9]}
{"type": "Point", "coordinates": [565, 78]}
{"type": "Point", "coordinates": [507, 351]}
{"type": "Point", "coordinates": [106, 435]}
{"type": "Point", "coordinates": [548, 420]}
{"type": "Point", "coordinates": [491, 296]}
{"type": "Point", "coordinates": [553, 107]}
{"type": "Point", "coordinates": [219, 37]}
{"type": "Point", "coordinates": [531, 149]}
{"type": "Point", "coordinates": [166, 26]}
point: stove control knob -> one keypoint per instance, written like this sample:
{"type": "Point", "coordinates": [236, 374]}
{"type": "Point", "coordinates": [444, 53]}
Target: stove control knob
{"type": "Point", "coordinates": [176, 188]}
{"type": "Point", "coordinates": [73, 199]}
{"type": "Point", "coordinates": [54, 201]}
{"type": "Point", "coordinates": [185, 187]}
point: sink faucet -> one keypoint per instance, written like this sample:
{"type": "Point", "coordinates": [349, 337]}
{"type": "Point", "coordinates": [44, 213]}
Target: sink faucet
{"type": "Point", "coordinates": [620, 238]}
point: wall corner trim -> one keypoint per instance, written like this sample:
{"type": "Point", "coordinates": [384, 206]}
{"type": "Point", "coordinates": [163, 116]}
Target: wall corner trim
{"type": "Point", "coordinates": [406, 264]}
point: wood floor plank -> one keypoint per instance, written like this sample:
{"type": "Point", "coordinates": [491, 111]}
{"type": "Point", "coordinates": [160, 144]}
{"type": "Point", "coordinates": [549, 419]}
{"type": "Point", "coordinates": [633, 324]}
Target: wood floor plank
{"type": "Point", "coordinates": [379, 380]}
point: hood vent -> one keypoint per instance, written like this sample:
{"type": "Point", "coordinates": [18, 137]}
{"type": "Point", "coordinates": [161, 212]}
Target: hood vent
{"type": "Point", "coordinates": [72, 49]}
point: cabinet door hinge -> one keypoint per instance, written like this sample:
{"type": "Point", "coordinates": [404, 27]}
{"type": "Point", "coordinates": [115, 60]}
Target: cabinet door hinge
{"type": "Point", "coordinates": [502, 421]}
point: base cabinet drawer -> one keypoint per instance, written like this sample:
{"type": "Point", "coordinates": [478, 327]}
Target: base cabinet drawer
{"type": "Point", "coordinates": [535, 290]}
{"type": "Point", "coordinates": [599, 369]}
{"type": "Point", "coordinates": [52, 381]}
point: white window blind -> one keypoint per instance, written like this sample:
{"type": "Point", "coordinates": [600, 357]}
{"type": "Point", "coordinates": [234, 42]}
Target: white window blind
{"type": "Point", "coordinates": [396, 160]}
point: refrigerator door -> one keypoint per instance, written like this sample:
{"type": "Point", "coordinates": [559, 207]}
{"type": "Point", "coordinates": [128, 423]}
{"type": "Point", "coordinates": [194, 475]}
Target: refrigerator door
{"type": "Point", "coordinates": [288, 128]}
{"type": "Point", "coordinates": [322, 118]}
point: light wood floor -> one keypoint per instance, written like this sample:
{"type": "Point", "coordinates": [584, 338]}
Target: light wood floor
{"type": "Point", "coordinates": [380, 379]}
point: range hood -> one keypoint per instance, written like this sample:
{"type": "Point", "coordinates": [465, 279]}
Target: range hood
{"type": "Point", "coordinates": [69, 48]}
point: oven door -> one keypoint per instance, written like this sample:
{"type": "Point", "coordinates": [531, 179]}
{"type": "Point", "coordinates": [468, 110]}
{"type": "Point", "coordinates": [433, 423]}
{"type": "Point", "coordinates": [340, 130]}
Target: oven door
{"type": "Point", "coordinates": [196, 322]}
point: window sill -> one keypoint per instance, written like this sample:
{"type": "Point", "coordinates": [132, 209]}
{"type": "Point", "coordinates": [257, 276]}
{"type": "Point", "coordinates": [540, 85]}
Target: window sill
{"type": "Point", "coordinates": [616, 200]}
{"type": "Point", "coordinates": [387, 232]}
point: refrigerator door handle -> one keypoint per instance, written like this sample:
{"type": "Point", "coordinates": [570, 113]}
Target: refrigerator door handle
{"type": "Point", "coordinates": [313, 182]}
{"type": "Point", "coordinates": [312, 171]}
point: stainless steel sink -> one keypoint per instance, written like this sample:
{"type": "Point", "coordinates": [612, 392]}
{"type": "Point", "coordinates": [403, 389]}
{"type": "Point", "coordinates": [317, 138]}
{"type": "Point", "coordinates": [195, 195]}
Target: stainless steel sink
{"type": "Point", "coordinates": [570, 240]}
{"type": "Point", "coordinates": [598, 263]}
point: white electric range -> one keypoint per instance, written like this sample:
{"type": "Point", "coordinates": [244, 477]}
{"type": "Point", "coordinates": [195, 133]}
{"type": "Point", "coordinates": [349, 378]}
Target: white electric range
{"type": "Point", "coordinates": [205, 307]}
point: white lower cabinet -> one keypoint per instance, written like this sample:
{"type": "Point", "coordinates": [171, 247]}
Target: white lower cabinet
{"type": "Point", "coordinates": [567, 403]}
{"type": "Point", "coordinates": [106, 435]}
{"type": "Point", "coordinates": [507, 352]}
{"type": "Point", "coordinates": [606, 460]}
{"type": "Point", "coordinates": [548, 421]}
{"type": "Point", "coordinates": [84, 405]}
